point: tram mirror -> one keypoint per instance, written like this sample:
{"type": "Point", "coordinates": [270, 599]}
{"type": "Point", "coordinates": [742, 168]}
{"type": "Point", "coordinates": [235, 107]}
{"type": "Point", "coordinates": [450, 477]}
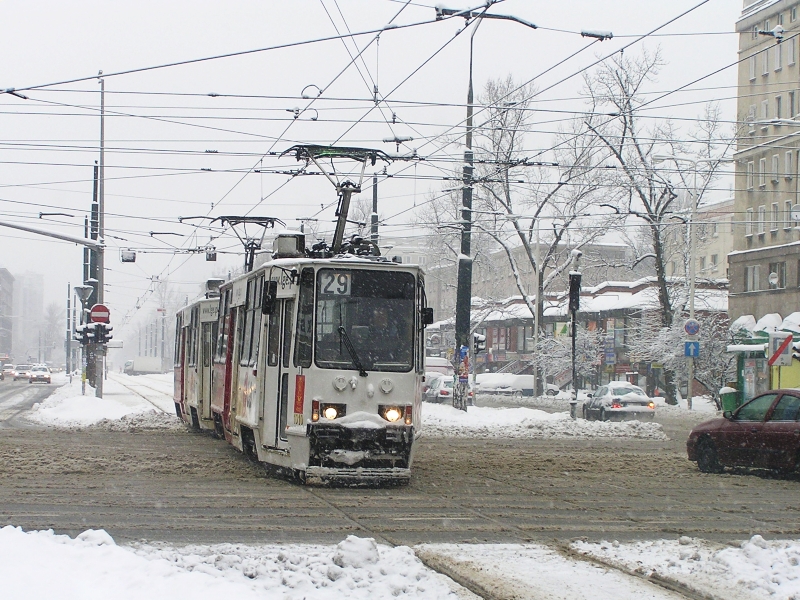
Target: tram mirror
{"type": "Point", "coordinates": [269, 298]}
{"type": "Point", "coordinates": [427, 316]}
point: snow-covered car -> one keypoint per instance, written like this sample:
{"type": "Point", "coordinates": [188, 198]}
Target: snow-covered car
{"type": "Point", "coordinates": [618, 401]}
{"type": "Point", "coordinates": [22, 372]}
{"type": "Point", "coordinates": [440, 390]}
{"type": "Point", "coordinates": [39, 374]}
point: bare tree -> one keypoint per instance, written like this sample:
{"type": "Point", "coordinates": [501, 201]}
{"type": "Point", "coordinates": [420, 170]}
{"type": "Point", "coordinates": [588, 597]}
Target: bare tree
{"type": "Point", "coordinates": [615, 92]}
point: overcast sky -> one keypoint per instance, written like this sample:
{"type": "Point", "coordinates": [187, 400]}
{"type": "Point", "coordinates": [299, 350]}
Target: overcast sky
{"type": "Point", "coordinates": [161, 123]}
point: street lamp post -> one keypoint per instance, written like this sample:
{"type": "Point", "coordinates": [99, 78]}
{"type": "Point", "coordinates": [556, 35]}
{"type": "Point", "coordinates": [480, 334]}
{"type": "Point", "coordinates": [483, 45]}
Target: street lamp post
{"type": "Point", "coordinates": [463, 344]}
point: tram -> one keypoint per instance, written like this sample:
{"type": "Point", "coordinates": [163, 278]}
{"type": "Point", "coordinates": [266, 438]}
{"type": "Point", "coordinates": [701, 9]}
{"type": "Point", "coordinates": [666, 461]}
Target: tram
{"type": "Point", "coordinates": [318, 355]}
{"type": "Point", "coordinates": [317, 364]}
{"type": "Point", "coordinates": [195, 334]}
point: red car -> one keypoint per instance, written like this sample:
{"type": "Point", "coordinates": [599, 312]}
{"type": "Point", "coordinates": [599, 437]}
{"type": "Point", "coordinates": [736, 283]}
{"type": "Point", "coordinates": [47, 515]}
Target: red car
{"type": "Point", "coordinates": [763, 433]}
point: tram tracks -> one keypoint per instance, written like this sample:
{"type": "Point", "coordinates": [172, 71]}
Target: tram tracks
{"type": "Point", "coordinates": [160, 400]}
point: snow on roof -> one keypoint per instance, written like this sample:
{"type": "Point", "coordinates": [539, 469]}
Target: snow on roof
{"type": "Point", "coordinates": [769, 322]}
{"type": "Point", "coordinates": [791, 323]}
{"type": "Point", "coordinates": [746, 322]}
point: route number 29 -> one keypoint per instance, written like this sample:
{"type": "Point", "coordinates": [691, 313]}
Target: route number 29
{"type": "Point", "coordinates": [337, 284]}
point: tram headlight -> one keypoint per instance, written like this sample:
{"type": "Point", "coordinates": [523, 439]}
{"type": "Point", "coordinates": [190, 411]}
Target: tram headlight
{"type": "Point", "coordinates": [332, 411]}
{"type": "Point", "coordinates": [391, 413]}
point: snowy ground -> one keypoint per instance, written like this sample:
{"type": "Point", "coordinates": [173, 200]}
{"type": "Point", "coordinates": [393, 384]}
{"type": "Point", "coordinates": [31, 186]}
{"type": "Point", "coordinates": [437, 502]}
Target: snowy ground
{"type": "Point", "coordinates": [91, 566]}
{"type": "Point", "coordinates": [757, 568]}
{"type": "Point", "coordinates": [119, 408]}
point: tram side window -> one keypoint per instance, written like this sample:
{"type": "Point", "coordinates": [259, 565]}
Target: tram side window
{"type": "Point", "coordinates": [422, 301]}
{"type": "Point", "coordinates": [248, 350]}
{"type": "Point", "coordinates": [191, 336]}
{"type": "Point", "coordinates": [305, 320]}
{"type": "Point", "coordinates": [288, 309]}
{"type": "Point", "coordinates": [274, 338]}
{"type": "Point", "coordinates": [221, 344]}
{"type": "Point", "coordinates": [255, 339]}
{"type": "Point", "coordinates": [247, 327]}
{"type": "Point", "coordinates": [177, 350]}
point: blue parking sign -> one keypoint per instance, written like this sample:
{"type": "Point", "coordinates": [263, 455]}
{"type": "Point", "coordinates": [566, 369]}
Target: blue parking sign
{"type": "Point", "coordinates": [691, 349]}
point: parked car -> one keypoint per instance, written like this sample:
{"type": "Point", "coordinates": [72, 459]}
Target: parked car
{"type": "Point", "coordinates": [763, 433]}
{"type": "Point", "coordinates": [7, 370]}
{"type": "Point", "coordinates": [619, 400]}
{"type": "Point", "coordinates": [22, 372]}
{"type": "Point", "coordinates": [440, 389]}
{"type": "Point", "coordinates": [39, 373]}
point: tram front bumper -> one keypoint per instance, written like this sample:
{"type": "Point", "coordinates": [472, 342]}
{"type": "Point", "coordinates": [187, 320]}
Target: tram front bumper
{"type": "Point", "coordinates": [360, 452]}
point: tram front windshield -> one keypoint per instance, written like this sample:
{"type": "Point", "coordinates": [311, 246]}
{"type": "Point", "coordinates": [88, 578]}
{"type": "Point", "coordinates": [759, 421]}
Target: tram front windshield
{"type": "Point", "coordinates": [374, 311]}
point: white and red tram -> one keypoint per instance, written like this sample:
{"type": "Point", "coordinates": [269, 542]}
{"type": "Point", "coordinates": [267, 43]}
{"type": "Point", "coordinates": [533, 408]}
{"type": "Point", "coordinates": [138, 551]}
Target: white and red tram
{"type": "Point", "coordinates": [317, 365]}
{"type": "Point", "coordinates": [195, 334]}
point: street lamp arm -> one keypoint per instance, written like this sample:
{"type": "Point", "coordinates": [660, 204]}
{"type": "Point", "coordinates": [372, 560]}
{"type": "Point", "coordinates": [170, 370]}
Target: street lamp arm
{"type": "Point", "coordinates": [441, 13]}
{"type": "Point", "coordinates": [67, 238]}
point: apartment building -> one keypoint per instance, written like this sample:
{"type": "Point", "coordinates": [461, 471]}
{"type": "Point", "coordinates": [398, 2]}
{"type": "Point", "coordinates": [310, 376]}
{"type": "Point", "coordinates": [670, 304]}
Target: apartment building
{"type": "Point", "coordinates": [764, 267]}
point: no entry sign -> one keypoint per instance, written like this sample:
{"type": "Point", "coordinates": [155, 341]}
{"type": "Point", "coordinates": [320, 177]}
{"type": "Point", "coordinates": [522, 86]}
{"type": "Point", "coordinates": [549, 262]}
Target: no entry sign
{"type": "Point", "coordinates": [100, 314]}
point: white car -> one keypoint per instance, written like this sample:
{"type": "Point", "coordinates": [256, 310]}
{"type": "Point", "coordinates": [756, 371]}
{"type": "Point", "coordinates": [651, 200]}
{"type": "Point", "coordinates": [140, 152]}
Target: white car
{"type": "Point", "coordinates": [618, 401]}
{"type": "Point", "coordinates": [39, 373]}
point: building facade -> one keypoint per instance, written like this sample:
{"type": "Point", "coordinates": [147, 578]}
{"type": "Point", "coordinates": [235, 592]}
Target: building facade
{"type": "Point", "coordinates": [6, 312]}
{"type": "Point", "coordinates": [764, 268]}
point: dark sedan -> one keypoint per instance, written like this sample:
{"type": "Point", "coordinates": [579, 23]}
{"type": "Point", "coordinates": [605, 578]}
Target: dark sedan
{"type": "Point", "coordinates": [763, 433]}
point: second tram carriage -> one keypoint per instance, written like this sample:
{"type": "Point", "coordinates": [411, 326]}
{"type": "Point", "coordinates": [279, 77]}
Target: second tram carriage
{"type": "Point", "coordinates": [315, 365]}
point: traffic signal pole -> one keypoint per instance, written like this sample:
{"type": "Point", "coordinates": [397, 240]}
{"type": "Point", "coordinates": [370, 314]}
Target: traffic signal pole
{"type": "Point", "coordinates": [100, 349]}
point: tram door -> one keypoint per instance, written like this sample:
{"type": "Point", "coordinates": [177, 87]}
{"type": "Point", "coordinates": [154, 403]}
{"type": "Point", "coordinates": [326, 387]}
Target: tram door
{"type": "Point", "coordinates": [279, 374]}
{"type": "Point", "coordinates": [204, 387]}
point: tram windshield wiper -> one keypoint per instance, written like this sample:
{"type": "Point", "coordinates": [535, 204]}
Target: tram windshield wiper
{"type": "Point", "coordinates": [352, 351]}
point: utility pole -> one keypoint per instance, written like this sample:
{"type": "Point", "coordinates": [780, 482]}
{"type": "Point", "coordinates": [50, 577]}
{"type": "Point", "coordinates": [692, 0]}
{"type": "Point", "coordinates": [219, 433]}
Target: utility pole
{"type": "Point", "coordinates": [574, 305]}
{"type": "Point", "coordinates": [100, 353]}
{"type": "Point", "coordinates": [67, 356]}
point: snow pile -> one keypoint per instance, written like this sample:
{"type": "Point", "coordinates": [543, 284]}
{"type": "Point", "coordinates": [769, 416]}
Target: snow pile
{"type": "Point", "coordinates": [479, 422]}
{"type": "Point", "coordinates": [92, 566]}
{"type": "Point", "coordinates": [151, 419]}
{"type": "Point", "coordinates": [755, 569]}
{"type": "Point", "coordinates": [67, 408]}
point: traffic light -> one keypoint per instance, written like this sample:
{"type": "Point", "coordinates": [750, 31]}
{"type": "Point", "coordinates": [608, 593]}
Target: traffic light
{"type": "Point", "coordinates": [574, 291]}
{"type": "Point", "coordinates": [104, 333]}
{"type": "Point", "coordinates": [91, 333]}
{"type": "Point", "coordinates": [82, 334]}
{"type": "Point", "coordinates": [478, 342]}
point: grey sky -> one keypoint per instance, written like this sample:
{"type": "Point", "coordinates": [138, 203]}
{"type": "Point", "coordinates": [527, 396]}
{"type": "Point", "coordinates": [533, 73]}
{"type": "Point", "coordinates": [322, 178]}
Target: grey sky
{"type": "Point", "coordinates": [154, 159]}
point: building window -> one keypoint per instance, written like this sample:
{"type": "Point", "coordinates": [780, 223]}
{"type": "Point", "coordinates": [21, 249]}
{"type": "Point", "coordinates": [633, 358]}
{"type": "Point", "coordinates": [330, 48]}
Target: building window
{"type": "Point", "coordinates": [778, 57]}
{"type": "Point", "coordinates": [762, 172]}
{"type": "Point", "coordinates": [787, 214]}
{"type": "Point", "coordinates": [780, 19]}
{"type": "Point", "coordinates": [748, 222]}
{"type": "Point", "coordinates": [754, 33]}
{"type": "Point", "coordinates": [776, 167]}
{"type": "Point", "coordinates": [751, 62]}
{"type": "Point", "coordinates": [793, 14]}
{"type": "Point", "coordinates": [791, 52]}
{"type": "Point", "coordinates": [702, 263]}
{"type": "Point", "coordinates": [750, 175]}
{"type": "Point", "coordinates": [714, 228]}
{"type": "Point", "coordinates": [787, 164]}
{"type": "Point", "coordinates": [792, 112]}
{"type": "Point", "coordinates": [751, 279]}
{"type": "Point", "coordinates": [714, 261]}
{"type": "Point", "coordinates": [779, 269]}
{"type": "Point", "coordinates": [762, 220]}
{"type": "Point", "coordinates": [775, 218]}
{"type": "Point", "coordinates": [765, 62]}
{"type": "Point", "coordinates": [778, 107]}
{"type": "Point", "coordinates": [764, 110]}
